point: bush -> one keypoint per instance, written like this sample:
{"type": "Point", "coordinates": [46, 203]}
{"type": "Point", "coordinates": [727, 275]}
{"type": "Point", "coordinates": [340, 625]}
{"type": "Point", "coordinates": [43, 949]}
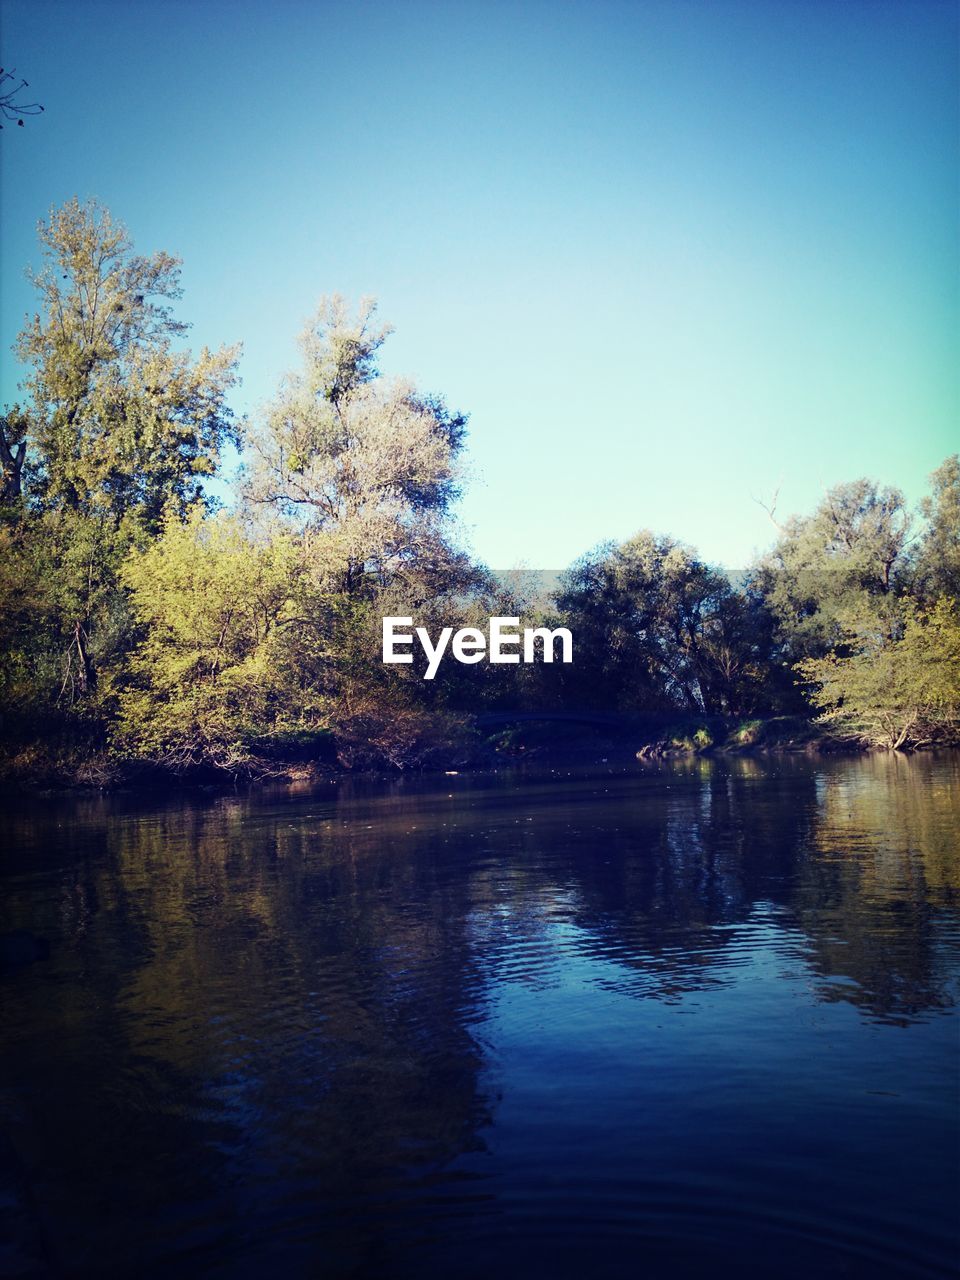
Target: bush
{"type": "Point", "coordinates": [899, 687]}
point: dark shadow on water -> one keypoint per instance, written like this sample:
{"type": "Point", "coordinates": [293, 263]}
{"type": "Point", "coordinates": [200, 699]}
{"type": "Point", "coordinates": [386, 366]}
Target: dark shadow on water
{"type": "Point", "coordinates": [608, 1024]}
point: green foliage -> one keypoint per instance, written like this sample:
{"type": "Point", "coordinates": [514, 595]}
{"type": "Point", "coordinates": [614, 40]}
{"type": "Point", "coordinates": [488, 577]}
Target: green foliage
{"type": "Point", "coordinates": [851, 551]}
{"type": "Point", "coordinates": [747, 734]}
{"type": "Point", "coordinates": [938, 566]}
{"type": "Point", "coordinates": [64, 617]}
{"type": "Point", "coordinates": [255, 632]}
{"type": "Point", "coordinates": [657, 628]}
{"type": "Point", "coordinates": [135, 617]}
{"type": "Point", "coordinates": [365, 467]}
{"type": "Point", "coordinates": [119, 427]}
{"type": "Point", "coordinates": [120, 419]}
{"type": "Point", "coordinates": [893, 689]}
{"type": "Point", "coordinates": [208, 678]}
{"type": "Point", "coordinates": [14, 425]}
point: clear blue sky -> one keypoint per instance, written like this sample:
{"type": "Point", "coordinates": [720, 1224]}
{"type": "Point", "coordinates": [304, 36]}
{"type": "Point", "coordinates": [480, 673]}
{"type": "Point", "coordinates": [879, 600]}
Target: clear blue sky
{"type": "Point", "coordinates": [667, 255]}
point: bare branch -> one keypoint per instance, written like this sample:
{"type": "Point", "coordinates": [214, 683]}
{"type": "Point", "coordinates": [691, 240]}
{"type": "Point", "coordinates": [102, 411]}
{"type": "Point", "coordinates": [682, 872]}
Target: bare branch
{"type": "Point", "coordinates": [771, 510]}
{"type": "Point", "coordinates": [10, 89]}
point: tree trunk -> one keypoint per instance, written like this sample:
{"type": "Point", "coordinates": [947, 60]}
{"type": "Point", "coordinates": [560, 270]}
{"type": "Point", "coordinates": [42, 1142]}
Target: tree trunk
{"type": "Point", "coordinates": [11, 467]}
{"type": "Point", "coordinates": [87, 675]}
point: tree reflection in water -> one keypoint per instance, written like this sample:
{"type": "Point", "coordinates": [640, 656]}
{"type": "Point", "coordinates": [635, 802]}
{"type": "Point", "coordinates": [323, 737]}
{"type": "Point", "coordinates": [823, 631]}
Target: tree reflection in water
{"type": "Point", "coordinates": [285, 1030]}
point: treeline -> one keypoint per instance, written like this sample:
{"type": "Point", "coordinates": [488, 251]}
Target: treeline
{"type": "Point", "coordinates": [149, 617]}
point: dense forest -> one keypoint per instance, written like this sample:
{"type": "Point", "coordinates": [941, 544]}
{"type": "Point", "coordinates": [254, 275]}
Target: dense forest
{"type": "Point", "coordinates": [162, 617]}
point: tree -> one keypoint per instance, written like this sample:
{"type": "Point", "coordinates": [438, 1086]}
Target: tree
{"type": "Point", "coordinates": [895, 691]}
{"type": "Point", "coordinates": [120, 426]}
{"type": "Point", "coordinates": [658, 629]}
{"type": "Point", "coordinates": [363, 471]}
{"type": "Point", "coordinates": [122, 421]}
{"type": "Point", "coordinates": [852, 551]}
{"type": "Point", "coordinates": [938, 561]}
{"type": "Point", "coordinates": [366, 468]}
{"type": "Point", "coordinates": [210, 676]}
{"type": "Point", "coordinates": [13, 451]}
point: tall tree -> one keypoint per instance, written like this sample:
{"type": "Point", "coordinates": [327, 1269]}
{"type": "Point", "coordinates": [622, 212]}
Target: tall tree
{"type": "Point", "coordinates": [851, 553]}
{"type": "Point", "coordinates": [366, 467]}
{"type": "Point", "coordinates": [899, 691]}
{"type": "Point", "coordinates": [364, 470]}
{"type": "Point", "coordinates": [657, 629]}
{"type": "Point", "coordinates": [938, 561]}
{"type": "Point", "coordinates": [122, 420]}
{"type": "Point", "coordinates": [120, 426]}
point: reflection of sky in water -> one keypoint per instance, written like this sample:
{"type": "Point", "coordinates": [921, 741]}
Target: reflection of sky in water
{"type": "Point", "coordinates": [688, 1101]}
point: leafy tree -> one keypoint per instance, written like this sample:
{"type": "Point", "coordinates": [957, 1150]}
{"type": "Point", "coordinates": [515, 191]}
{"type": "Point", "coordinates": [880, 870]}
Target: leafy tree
{"type": "Point", "coordinates": [14, 425]}
{"type": "Point", "coordinates": [208, 679]}
{"type": "Point", "coordinates": [131, 609]}
{"type": "Point", "coordinates": [121, 421]}
{"type": "Point", "coordinates": [386, 715]}
{"type": "Point", "coordinates": [895, 692]}
{"type": "Point", "coordinates": [363, 471]}
{"type": "Point", "coordinates": [365, 467]}
{"type": "Point", "coordinates": [120, 426]}
{"type": "Point", "coordinates": [59, 582]}
{"type": "Point", "coordinates": [852, 550]}
{"type": "Point", "coordinates": [738, 663]}
{"type": "Point", "coordinates": [25, 621]}
{"type": "Point", "coordinates": [658, 629]}
{"type": "Point", "coordinates": [938, 562]}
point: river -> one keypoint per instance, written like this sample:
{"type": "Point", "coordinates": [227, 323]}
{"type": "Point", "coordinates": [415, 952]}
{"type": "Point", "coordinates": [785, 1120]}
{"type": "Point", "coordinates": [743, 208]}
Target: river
{"type": "Point", "coordinates": [692, 1019]}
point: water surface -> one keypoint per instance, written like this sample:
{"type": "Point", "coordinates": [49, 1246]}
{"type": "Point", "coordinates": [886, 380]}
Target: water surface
{"type": "Point", "coordinates": [691, 1020]}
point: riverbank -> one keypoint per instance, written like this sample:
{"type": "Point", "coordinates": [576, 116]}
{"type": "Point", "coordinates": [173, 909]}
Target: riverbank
{"type": "Point", "coordinates": [66, 762]}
